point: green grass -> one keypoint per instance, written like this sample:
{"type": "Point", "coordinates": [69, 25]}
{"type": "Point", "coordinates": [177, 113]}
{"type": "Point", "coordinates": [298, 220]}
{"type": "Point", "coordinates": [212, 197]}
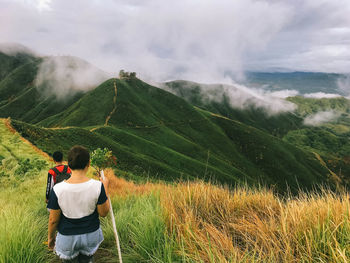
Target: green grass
{"type": "Point", "coordinates": [23, 215]}
{"type": "Point", "coordinates": [142, 230]}
{"type": "Point", "coordinates": [154, 133]}
{"type": "Point", "coordinates": [23, 225]}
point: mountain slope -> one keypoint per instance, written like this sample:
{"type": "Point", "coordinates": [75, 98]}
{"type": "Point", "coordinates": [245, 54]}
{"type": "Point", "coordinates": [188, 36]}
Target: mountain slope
{"type": "Point", "coordinates": [215, 99]}
{"type": "Point", "coordinates": [20, 98]}
{"type": "Point", "coordinates": [158, 134]}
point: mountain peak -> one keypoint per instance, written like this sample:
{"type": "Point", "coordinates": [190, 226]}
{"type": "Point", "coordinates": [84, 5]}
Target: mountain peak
{"type": "Point", "coordinates": [12, 48]}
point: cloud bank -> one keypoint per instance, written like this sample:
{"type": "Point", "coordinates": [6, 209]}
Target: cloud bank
{"type": "Point", "coordinates": [242, 97]}
{"type": "Point", "coordinates": [321, 117]}
{"type": "Point", "coordinates": [344, 85]}
{"type": "Point", "coordinates": [15, 48]}
{"type": "Point", "coordinates": [63, 76]}
{"type": "Point", "coordinates": [321, 95]}
{"type": "Point", "coordinates": [200, 40]}
{"type": "Point", "coordinates": [239, 96]}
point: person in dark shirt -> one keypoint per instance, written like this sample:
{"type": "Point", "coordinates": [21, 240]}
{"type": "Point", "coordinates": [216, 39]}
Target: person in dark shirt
{"type": "Point", "coordinates": [60, 170]}
{"type": "Point", "coordinates": [75, 206]}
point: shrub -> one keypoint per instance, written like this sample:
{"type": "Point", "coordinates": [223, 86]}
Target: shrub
{"type": "Point", "coordinates": [30, 167]}
{"type": "Point", "coordinates": [102, 158]}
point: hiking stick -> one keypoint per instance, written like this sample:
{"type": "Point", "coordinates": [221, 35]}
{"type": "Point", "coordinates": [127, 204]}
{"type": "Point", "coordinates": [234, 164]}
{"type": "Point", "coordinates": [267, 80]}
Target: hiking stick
{"type": "Point", "coordinates": [113, 223]}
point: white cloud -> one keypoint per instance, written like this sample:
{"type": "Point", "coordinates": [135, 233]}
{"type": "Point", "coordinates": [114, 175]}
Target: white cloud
{"type": "Point", "coordinates": [63, 75]}
{"type": "Point", "coordinates": [321, 95]}
{"type": "Point", "coordinates": [321, 117]}
{"type": "Point", "coordinates": [14, 48]}
{"type": "Point", "coordinates": [243, 97]}
{"type": "Point", "coordinates": [282, 94]}
{"type": "Point", "coordinates": [200, 40]}
{"type": "Point", "coordinates": [344, 85]}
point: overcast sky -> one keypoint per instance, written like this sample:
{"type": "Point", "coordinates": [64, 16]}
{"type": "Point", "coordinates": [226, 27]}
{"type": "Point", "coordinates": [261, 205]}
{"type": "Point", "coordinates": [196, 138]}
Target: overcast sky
{"type": "Point", "coordinates": [201, 40]}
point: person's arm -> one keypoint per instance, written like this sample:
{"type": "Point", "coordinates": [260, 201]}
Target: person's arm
{"type": "Point", "coordinates": [48, 186]}
{"type": "Point", "coordinates": [103, 209]}
{"type": "Point", "coordinates": [54, 219]}
{"type": "Point", "coordinates": [103, 203]}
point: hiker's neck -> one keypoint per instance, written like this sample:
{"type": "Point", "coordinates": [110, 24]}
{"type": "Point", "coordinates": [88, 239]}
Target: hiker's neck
{"type": "Point", "coordinates": [77, 174]}
{"type": "Point", "coordinates": [58, 163]}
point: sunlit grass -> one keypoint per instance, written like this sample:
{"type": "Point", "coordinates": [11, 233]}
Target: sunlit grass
{"type": "Point", "coordinates": [213, 224]}
{"type": "Point", "coordinates": [180, 222]}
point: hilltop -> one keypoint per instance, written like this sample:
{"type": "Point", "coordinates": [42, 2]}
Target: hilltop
{"type": "Point", "coordinates": [158, 135]}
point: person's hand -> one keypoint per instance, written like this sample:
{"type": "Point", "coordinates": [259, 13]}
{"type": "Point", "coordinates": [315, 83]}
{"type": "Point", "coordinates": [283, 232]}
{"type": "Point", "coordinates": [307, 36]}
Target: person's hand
{"type": "Point", "coordinates": [51, 243]}
{"type": "Point", "coordinates": [47, 200]}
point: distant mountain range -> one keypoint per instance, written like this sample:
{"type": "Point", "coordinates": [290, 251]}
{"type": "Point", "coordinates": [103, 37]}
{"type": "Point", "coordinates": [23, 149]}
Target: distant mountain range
{"type": "Point", "coordinates": [177, 133]}
{"type": "Point", "coordinates": [304, 82]}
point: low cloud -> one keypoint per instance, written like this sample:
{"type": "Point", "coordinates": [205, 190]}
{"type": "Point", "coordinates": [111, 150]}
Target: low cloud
{"type": "Point", "coordinates": [243, 97]}
{"type": "Point", "coordinates": [344, 85]}
{"type": "Point", "coordinates": [63, 75]}
{"type": "Point", "coordinates": [321, 95]}
{"type": "Point", "coordinates": [202, 40]}
{"type": "Point", "coordinates": [15, 48]}
{"type": "Point", "coordinates": [321, 117]}
{"type": "Point", "coordinates": [283, 94]}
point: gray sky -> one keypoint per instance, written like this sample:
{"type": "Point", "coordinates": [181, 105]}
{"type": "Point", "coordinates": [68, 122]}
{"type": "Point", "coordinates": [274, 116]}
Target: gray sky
{"type": "Point", "coordinates": [200, 40]}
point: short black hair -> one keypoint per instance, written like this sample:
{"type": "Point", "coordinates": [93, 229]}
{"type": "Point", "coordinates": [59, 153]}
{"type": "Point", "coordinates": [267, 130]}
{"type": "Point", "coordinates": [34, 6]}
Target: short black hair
{"type": "Point", "coordinates": [57, 156]}
{"type": "Point", "coordinates": [78, 157]}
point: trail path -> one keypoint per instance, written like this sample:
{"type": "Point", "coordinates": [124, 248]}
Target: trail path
{"type": "Point", "coordinates": [114, 102]}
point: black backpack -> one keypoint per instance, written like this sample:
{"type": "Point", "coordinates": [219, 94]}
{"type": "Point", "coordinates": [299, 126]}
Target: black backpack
{"type": "Point", "coordinates": [61, 176]}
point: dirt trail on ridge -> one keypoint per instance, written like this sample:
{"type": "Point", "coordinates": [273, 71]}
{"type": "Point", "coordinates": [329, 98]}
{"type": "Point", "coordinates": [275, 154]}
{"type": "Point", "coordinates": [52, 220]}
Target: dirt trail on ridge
{"type": "Point", "coordinates": [114, 102]}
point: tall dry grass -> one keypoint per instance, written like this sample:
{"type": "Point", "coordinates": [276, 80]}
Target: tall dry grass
{"type": "Point", "coordinates": [214, 224]}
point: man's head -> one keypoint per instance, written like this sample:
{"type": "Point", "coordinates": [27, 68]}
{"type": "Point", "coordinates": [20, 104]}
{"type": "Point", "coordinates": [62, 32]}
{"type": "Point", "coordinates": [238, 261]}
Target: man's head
{"type": "Point", "coordinates": [78, 158]}
{"type": "Point", "coordinates": [57, 156]}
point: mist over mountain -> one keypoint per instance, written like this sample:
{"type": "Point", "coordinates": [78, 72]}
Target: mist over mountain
{"type": "Point", "coordinates": [64, 75]}
{"type": "Point", "coordinates": [229, 134]}
{"type": "Point", "coordinates": [201, 41]}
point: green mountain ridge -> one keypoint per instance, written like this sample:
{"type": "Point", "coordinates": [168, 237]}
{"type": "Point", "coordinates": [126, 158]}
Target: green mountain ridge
{"type": "Point", "coordinates": [159, 135]}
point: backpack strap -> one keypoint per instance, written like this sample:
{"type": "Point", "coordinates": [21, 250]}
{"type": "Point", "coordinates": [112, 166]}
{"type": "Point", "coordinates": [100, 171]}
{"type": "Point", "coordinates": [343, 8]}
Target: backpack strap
{"type": "Point", "coordinates": [65, 169]}
{"type": "Point", "coordinates": [55, 170]}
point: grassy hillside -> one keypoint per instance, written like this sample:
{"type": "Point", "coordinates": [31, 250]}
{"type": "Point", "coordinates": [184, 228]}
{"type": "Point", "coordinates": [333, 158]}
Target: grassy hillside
{"type": "Point", "coordinates": [157, 134]}
{"type": "Point", "coordinates": [11, 62]}
{"type": "Point", "coordinates": [160, 135]}
{"type": "Point", "coordinates": [328, 138]}
{"type": "Point", "coordinates": [21, 99]}
{"type": "Point", "coordinates": [22, 187]}
{"type": "Point", "coordinates": [184, 222]}
{"type": "Point", "coordinates": [201, 95]}
{"type": "Point", "coordinates": [308, 106]}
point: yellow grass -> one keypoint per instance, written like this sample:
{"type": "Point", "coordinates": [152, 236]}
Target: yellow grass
{"type": "Point", "coordinates": [214, 224]}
